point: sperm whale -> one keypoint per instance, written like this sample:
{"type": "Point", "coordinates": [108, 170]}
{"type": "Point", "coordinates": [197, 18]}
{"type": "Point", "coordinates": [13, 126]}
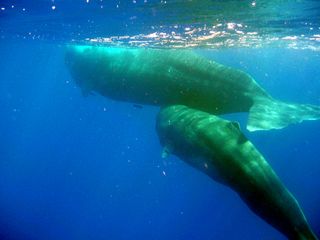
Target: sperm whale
{"type": "Point", "coordinates": [166, 77]}
{"type": "Point", "coordinates": [219, 149]}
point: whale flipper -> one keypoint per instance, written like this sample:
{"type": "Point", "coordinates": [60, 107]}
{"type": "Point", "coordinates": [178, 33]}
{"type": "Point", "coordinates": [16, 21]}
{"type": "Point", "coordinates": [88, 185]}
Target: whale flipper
{"type": "Point", "coordinates": [165, 152]}
{"type": "Point", "coordinates": [266, 114]}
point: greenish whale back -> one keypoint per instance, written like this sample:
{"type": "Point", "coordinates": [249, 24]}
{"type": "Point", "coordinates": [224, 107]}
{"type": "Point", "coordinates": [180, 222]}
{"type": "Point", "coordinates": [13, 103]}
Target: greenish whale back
{"type": "Point", "coordinates": [227, 156]}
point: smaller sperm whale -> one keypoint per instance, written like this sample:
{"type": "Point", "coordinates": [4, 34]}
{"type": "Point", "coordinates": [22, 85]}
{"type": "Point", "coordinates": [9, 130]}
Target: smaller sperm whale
{"type": "Point", "coordinates": [219, 149]}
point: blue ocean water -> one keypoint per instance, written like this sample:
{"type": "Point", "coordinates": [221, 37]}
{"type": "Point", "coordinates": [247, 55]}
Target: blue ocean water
{"type": "Point", "coordinates": [75, 167]}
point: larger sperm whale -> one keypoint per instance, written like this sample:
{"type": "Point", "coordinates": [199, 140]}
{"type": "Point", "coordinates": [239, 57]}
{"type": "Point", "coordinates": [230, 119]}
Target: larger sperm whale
{"type": "Point", "coordinates": [167, 77]}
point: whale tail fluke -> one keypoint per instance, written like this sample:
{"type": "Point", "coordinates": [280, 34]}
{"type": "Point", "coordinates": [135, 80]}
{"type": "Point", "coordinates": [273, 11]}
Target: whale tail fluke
{"type": "Point", "coordinates": [268, 114]}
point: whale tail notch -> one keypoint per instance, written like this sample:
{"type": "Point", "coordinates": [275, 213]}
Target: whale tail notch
{"type": "Point", "coordinates": [268, 114]}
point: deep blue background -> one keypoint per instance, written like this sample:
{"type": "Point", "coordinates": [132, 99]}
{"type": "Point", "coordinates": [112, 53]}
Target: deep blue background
{"type": "Point", "coordinates": [90, 168]}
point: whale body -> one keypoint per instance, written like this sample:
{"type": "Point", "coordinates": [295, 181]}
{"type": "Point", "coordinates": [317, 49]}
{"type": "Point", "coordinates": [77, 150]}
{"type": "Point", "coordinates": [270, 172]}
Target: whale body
{"type": "Point", "coordinates": [168, 77]}
{"type": "Point", "coordinates": [219, 149]}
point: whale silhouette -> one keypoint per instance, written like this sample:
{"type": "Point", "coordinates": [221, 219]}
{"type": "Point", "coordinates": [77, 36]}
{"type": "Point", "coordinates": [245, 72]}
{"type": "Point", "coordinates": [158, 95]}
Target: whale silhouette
{"type": "Point", "coordinates": [219, 149]}
{"type": "Point", "coordinates": [168, 77]}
